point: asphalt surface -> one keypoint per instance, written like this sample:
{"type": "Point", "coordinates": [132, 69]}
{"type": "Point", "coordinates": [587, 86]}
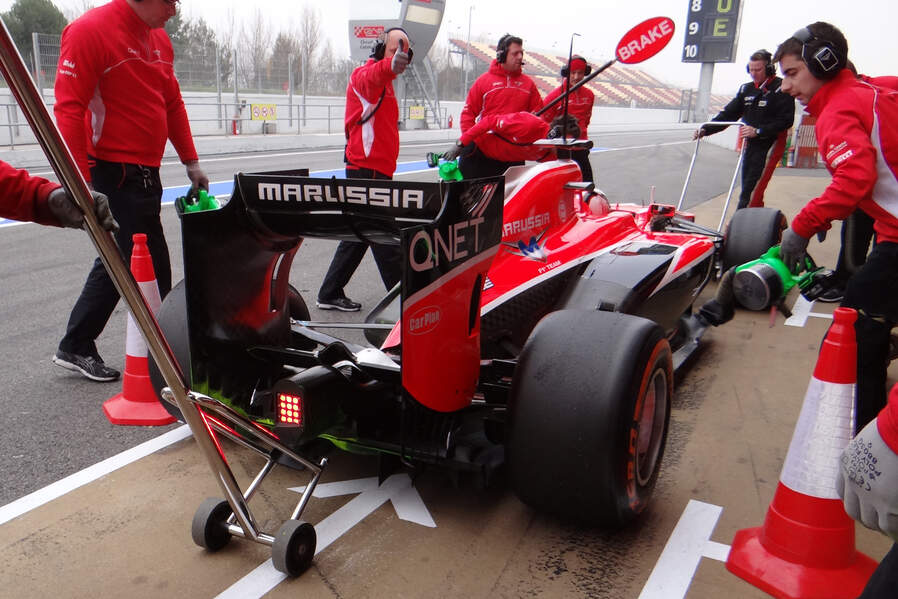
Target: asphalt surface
{"type": "Point", "coordinates": [52, 420]}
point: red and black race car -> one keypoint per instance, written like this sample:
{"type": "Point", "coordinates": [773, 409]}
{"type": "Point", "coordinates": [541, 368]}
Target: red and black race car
{"type": "Point", "coordinates": [537, 325]}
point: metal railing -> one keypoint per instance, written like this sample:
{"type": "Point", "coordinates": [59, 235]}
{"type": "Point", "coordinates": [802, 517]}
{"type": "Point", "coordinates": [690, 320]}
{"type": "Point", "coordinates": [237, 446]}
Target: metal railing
{"type": "Point", "coordinates": [209, 117]}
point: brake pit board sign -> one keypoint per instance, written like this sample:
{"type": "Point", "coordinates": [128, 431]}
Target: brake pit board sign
{"type": "Point", "coordinates": [712, 30]}
{"type": "Point", "coordinates": [264, 112]}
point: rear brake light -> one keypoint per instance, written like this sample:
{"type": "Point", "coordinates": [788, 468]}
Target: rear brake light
{"type": "Point", "coordinates": [290, 409]}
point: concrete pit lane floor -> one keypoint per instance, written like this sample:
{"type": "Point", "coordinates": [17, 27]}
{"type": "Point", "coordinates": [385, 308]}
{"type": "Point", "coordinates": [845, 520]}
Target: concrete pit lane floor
{"type": "Point", "coordinates": [127, 533]}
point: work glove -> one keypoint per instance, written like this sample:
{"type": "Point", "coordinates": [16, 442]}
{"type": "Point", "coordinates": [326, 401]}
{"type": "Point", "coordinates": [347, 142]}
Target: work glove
{"type": "Point", "coordinates": [198, 178]}
{"type": "Point", "coordinates": [400, 59]}
{"type": "Point", "coordinates": [793, 250]}
{"type": "Point", "coordinates": [63, 207]}
{"type": "Point", "coordinates": [453, 152]}
{"type": "Point", "coordinates": [867, 481]}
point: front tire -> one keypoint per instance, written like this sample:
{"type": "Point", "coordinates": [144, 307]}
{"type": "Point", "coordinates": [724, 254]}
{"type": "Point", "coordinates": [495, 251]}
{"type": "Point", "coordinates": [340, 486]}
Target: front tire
{"type": "Point", "coordinates": [588, 415]}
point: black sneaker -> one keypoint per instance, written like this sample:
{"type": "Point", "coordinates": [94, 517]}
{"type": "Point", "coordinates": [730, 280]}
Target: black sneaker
{"type": "Point", "coordinates": [833, 295]}
{"type": "Point", "coordinates": [90, 366]}
{"type": "Point", "coordinates": [344, 304]}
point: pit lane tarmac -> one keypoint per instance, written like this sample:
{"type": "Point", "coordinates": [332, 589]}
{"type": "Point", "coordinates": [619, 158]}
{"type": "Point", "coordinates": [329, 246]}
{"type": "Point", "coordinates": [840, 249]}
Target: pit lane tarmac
{"type": "Point", "coordinates": [125, 531]}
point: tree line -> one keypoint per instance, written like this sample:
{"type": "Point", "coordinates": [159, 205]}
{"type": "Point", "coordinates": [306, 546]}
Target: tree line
{"type": "Point", "coordinates": [265, 61]}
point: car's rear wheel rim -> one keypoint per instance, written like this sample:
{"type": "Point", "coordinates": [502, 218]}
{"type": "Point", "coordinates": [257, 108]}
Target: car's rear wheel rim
{"type": "Point", "coordinates": [650, 429]}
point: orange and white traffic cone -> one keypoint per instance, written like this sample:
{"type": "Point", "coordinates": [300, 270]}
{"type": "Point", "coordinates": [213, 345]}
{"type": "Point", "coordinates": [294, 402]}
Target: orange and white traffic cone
{"type": "Point", "coordinates": [805, 547]}
{"type": "Point", "coordinates": [137, 404]}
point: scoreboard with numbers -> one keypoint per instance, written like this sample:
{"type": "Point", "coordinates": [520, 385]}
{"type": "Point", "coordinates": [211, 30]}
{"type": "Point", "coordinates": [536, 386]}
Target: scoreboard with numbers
{"type": "Point", "coordinates": [712, 29]}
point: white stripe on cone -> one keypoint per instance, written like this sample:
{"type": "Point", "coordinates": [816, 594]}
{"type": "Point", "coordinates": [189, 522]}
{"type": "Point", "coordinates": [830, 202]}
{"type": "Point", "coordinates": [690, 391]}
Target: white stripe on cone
{"type": "Point", "coordinates": [135, 345]}
{"type": "Point", "coordinates": [825, 426]}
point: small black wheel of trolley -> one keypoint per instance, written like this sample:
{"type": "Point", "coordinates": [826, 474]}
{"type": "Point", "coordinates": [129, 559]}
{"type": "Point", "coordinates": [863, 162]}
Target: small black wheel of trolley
{"type": "Point", "coordinates": [210, 524]}
{"type": "Point", "coordinates": [294, 547]}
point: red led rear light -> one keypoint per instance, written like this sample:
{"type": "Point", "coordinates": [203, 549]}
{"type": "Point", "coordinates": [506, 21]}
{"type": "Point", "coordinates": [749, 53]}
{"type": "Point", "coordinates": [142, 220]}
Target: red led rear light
{"type": "Point", "coordinates": [289, 409]}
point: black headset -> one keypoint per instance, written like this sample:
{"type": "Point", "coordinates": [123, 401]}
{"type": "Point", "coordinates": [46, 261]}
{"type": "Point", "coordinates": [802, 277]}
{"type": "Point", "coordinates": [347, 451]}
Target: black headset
{"type": "Point", "coordinates": [820, 55]}
{"type": "Point", "coordinates": [767, 57]}
{"type": "Point", "coordinates": [380, 47]}
{"type": "Point", "coordinates": [566, 68]}
{"type": "Point", "coordinates": [502, 46]}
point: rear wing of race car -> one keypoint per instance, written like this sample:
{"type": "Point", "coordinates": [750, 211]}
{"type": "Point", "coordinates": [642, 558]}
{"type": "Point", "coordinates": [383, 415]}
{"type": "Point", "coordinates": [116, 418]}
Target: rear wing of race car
{"type": "Point", "coordinates": [237, 261]}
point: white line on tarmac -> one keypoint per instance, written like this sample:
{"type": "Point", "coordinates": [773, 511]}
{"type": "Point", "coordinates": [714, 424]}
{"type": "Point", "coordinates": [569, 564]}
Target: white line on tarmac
{"type": "Point", "coordinates": [89, 474]}
{"type": "Point", "coordinates": [688, 543]}
{"type": "Point", "coordinates": [801, 311]}
{"type": "Point", "coordinates": [264, 578]}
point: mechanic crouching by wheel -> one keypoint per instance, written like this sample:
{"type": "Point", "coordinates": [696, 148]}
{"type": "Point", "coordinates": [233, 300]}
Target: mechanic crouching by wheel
{"type": "Point", "coordinates": [372, 147]}
{"type": "Point", "coordinates": [768, 114]}
{"type": "Point", "coordinates": [857, 133]}
{"type": "Point", "coordinates": [503, 89]}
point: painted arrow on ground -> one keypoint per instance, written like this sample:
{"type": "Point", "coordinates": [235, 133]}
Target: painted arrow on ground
{"type": "Point", "coordinates": [397, 489]}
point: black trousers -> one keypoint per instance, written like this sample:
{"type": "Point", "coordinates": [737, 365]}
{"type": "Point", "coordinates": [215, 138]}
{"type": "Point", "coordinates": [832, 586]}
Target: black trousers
{"type": "Point", "coordinates": [883, 584]}
{"type": "Point", "coordinates": [474, 164]}
{"type": "Point", "coordinates": [857, 231]}
{"type": "Point", "coordinates": [753, 164]}
{"type": "Point", "coordinates": [581, 157]}
{"type": "Point", "coordinates": [349, 254]}
{"type": "Point", "coordinates": [873, 292]}
{"type": "Point", "coordinates": [135, 198]}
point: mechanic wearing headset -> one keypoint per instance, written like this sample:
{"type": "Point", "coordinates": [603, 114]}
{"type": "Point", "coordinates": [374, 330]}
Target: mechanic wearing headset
{"type": "Point", "coordinates": [768, 114]}
{"type": "Point", "coordinates": [580, 103]}
{"type": "Point", "coordinates": [34, 199]}
{"type": "Point", "coordinates": [856, 134]}
{"type": "Point", "coordinates": [858, 139]}
{"type": "Point", "coordinates": [117, 102]}
{"type": "Point", "coordinates": [372, 147]}
{"type": "Point", "coordinates": [503, 89]}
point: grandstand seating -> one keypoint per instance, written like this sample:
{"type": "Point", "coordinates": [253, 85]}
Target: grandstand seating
{"type": "Point", "coordinates": [618, 85]}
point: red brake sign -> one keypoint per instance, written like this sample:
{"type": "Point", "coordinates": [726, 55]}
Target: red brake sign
{"type": "Point", "coordinates": [645, 40]}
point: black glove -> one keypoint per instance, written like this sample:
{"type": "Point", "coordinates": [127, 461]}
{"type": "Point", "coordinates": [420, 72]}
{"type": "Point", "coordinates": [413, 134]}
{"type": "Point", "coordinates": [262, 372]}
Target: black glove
{"type": "Point", "coordinates": [67, 212]}
{"type": "Point", "coordinates": [453, 152]}
{"type": "Point", "coordinates": [793, 250]}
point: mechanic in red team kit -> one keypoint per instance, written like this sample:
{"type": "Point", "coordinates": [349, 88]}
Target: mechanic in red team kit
{"type": "Point", "coordinates": [503, 89]}
{"type": "Point", "coordinates": [768, 114]}
{"type": "Point", "coordinates": [580, 103]}
{"type": "Point", "coordinates": [858, 140]}
{"type": "Point", "coordinates": [372, 147]}
{"type": "Point", "coordinates": [34, 199]}
{"type": "Point", "coordinates": [117, 102]}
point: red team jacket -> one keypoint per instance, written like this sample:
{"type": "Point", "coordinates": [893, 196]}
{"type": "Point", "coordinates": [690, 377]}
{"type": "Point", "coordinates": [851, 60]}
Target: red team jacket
{"type": "Point", "coordinates": [859, 144]}
{"type": "Point", "coordinates": [116, 93]}
{"type": "Point", "coordinates": [499, 92]}
{"type": "Point", "coordinates": [375, 143]}
{"type": "Point", "coordinates": [858, 140]}
{"type": "Point", "coordinates": [23, 197]}
{"type": "Point", "coordinates": [579, 105]}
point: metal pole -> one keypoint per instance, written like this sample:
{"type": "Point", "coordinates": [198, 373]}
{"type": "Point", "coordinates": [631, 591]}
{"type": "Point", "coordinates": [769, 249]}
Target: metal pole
{"type": "Point", "coordinates": [303, 68]}
{"type": "Point", "coordinates": [221, 122]}
{"type": "Point", "coordinates": [236, 92]}
{"type": "Point", "coordinates": [704, 92]}
{"type": "Point", "coordinates": [290, 88]}
{"type": "Point", "coordinates": [36, 52]}
{"type": "Point", "coordinates": [22, 87]}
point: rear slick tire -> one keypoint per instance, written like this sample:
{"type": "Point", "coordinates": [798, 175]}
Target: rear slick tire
{"type": "Point", "coordinates": [751, 232]}
{"type": "Point", "coordinates": [588, 416]}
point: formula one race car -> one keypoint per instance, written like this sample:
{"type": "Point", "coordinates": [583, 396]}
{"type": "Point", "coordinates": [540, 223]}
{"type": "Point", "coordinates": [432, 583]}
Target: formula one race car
{"type": "Point", "coordinates": [537, 325]}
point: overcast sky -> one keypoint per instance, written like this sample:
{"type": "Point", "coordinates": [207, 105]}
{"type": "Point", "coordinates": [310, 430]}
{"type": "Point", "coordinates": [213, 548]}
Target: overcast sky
{"type": "Point", "coordinates": [873, 44]}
